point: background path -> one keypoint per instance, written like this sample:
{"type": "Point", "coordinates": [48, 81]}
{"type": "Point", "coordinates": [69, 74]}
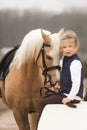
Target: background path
{"type": "Point", "coordinates": [7, 121]}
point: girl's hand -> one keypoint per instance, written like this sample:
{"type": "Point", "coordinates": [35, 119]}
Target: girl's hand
{"type": "Point", "coordinates": [65, 100]}
{"type": "Point", "coordinates": [57, 87]}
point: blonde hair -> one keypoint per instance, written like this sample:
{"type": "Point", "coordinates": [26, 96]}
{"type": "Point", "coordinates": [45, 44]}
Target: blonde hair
{"type": "Point", "coordinates": [69, 34]}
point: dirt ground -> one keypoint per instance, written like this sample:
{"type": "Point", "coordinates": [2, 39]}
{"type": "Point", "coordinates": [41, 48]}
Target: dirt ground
{"type": "Point", "coordinates": [7, 121]}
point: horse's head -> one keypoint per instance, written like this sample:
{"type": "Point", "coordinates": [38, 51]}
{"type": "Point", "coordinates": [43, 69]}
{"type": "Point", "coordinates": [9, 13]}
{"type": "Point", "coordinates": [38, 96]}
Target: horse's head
{"type": "Point", "coordinates": [40, 48]}
{"type": "Point", "coordinates": [49, 57]}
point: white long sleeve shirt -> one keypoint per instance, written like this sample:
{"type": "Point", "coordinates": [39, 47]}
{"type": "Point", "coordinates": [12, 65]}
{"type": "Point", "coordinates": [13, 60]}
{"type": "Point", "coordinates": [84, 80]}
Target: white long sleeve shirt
{"type": "Point", "coordinates": [75, 78]}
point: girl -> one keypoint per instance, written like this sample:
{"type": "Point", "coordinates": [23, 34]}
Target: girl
{"type": "Point", "coordinates": [71, 80]}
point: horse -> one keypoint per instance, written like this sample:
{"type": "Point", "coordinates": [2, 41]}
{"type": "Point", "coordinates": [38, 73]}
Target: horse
{"type": "Point", "coordinates": [36, 59]}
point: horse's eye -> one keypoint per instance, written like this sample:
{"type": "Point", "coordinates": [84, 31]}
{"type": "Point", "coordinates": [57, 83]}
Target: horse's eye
{"type": "Point", "coordinates": [49, 57]}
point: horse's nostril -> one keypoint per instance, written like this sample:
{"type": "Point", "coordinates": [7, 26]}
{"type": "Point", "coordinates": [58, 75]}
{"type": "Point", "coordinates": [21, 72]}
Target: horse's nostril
{"type": "Point", "coordinates": [56, 83]}
{"type": "Point", "coordinates": [53, 84]}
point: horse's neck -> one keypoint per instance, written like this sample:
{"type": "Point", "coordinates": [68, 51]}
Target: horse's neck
{"type": "Point", "coordinates": [31, 69]}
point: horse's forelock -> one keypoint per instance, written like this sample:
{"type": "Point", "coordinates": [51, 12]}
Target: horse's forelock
{"type": "Point", "coordinates": [55, 42]}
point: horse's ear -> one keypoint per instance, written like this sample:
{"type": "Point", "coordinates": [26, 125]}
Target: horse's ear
{"type": "Point", "coordinates": [45, 37]}
{"type": "Point", "coordinates": [61, 31]}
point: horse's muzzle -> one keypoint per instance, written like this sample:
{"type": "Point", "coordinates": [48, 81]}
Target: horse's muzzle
{"type": "Point", "coordinates": [54, 84]}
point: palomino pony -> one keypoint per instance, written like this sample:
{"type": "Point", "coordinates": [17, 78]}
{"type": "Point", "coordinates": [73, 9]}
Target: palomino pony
{"type": "Point", "coordinates": [38, 53]}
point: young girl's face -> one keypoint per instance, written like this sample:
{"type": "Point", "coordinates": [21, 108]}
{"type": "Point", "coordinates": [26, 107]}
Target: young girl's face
{"type": "Point", "coordinates": [69, 48]}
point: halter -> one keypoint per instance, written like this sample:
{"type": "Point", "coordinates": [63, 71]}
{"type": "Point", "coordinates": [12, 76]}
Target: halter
{"type": "Point", "coordinates": [47, 82]}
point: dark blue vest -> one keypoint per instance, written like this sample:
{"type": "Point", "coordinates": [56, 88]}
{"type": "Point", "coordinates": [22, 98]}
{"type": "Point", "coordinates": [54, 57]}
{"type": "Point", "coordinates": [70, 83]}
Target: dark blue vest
{"type": "Point", "coordinates": [65, 77]}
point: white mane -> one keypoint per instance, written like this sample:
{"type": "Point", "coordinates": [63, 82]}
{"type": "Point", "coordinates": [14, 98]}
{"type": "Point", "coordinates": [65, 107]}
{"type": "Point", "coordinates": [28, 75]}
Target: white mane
{"type": "Point", "coordinates": [33, 40]}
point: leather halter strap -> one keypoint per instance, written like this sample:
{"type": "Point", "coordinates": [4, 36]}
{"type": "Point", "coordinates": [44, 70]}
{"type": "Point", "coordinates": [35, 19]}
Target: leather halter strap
{"type": "Point", "coordinates": [46, 69]}
{"type": "Point", "coordinates": [47, 76]}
